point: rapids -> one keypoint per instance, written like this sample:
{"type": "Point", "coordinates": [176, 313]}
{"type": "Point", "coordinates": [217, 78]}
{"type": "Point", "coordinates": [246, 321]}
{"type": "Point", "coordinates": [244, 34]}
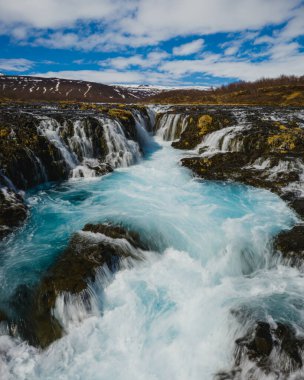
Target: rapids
{"type": "Point", "coordinates": [173, 315]}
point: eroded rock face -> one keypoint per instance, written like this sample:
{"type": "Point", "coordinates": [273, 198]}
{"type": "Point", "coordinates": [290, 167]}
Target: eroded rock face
{"type": "Point", "coordinates": [291, 245]}
{"type": "Point", "coordinates": [266, 350]}
{"type": "Point", "coordinates": [252, 150]}
{"type": "Point", "coordinates": [26, 157]}
{"type": "Point", "coordinates": [273, 349]}
{"type": "Point", "coordinates": [88, 250]}
{"type": "Point", "coordinates": [12, 211]}
{"type": "Point", "coordinates": [201, 124]}
{"type": "Point", "coordinates": [38, 145]}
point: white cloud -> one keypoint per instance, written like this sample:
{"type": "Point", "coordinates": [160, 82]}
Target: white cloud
{"type": "Point", "coordinates": [189, 48]}
{"type": "Point", "coordinates": [295, 26]}
{"type": "Point", "coordinates": [164, 19]}
{"type": "Point", "coordinates": [220, 66]}
{"type": "Point", "coordinates": [111, 76]}
{"type": "Point", "coordinates": [121, 24]}
{"type": "Point", "coordinates": [138, 22]}
{"type": "Point", "coordinates": [282, 50]}
{"type": "Point", "coordinates": [151, 60]}
{"type": "Point", "coordinates": [233, 46]}
{"type": "Point", "coordinates": [231, 50]}
{"type": "Point", "coordinates": [58, 13]}
{"type": "Point", "coordinates": [18, 65]}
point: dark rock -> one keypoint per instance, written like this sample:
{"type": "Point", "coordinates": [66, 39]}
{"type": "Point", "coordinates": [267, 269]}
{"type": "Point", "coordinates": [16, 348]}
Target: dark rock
{"type": "Point", "coordinates": [28, 158]}
{"type": "Point", "coordinates": [273, 349]}
{"type": "Point", "coordinates": [297, 204]}
{"type": "Point", "coordinates": [3, 316]}
{"type": "Point", "coordinates": [265, 154]}
{"type": "Point", "coordinates": [100, 168]}
{"type": "Point", "coordinates": [200, 125]}
{"type": "Point", "coordinates": [89, 249]}
{"type": "Point", "coordinates": [12, 211]}
{"type": "Point", "coordinates": [291, 245]}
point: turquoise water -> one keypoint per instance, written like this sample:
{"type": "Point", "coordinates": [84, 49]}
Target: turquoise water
{"type": "Point", "coordinates": [170, 316]}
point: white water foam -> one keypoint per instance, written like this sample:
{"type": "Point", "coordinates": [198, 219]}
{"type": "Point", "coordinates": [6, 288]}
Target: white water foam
{"type": "Point", "coordinates": [76, 146]}
{"type": "Point", "coordinates": [169, 317]}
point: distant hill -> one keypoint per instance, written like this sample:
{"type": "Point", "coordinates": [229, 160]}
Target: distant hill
{"type": "Point", "coordinates": [27, 88]}
{"type": "Point", "coordinates": [285, 90]}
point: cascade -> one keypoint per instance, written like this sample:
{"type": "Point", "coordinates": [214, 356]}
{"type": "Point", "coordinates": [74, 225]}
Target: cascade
{"type": "Point", "coordinates": [122, 152]}
{"type": "Point", "coordinates": [210, 269]}
{"type": "Point", "coordinates": [76, 145]}
{"type": "Point", "coordinates": [223, 140]}
{"type": "Point", "coordinates": [170, 126]}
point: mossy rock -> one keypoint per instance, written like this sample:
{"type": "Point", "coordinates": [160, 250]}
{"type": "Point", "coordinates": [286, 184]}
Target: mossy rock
{"type": "Point", "coordinates": [88, 250]}
{"type": "Point", "coordinates": [121, 114]}
{"type": "Point", "coordinates": [199, 125]}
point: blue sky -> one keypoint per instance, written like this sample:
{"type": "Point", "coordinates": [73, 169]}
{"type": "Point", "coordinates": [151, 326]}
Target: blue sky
{"type": "Point", "coordinates": [160, 42]}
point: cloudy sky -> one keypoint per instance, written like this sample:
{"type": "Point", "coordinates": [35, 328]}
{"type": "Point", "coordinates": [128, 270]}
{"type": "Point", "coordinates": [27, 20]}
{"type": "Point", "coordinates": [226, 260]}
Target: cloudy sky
{"type": "Point", "coordinates": [163, 42]}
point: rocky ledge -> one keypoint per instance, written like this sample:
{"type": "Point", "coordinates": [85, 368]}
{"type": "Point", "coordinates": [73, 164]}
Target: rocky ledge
{"type": "Point", "coordinates": [261, 147]}
{"type": "Point", "coordinates": [95, 246]}
{"type": "Point", "coordinates": [45, 143]}
{"type": "Point", "coordinates": [266, 349]}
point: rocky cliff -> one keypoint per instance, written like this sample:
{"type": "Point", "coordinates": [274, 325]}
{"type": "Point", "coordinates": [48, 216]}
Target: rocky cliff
{"type": "Point", "coordinates": [39, 145]}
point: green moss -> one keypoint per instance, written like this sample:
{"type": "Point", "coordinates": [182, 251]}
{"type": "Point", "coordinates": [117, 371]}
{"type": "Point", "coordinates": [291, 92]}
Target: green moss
{"type": "Point", "coordinates": [282, 142]}
{"type": "Point", "coordinates": [203, 124]}
{"type": "Point", "coordinates": [120, 114]}
{"type": "Point", "coordinates": [4, 132]}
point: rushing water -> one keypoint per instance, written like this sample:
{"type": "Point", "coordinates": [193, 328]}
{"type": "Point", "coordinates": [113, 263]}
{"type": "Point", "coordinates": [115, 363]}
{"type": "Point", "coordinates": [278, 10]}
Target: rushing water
{"type": "Point", "coordinates": [171, 316]}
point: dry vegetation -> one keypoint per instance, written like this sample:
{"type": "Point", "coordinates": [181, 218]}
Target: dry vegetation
{"type": "Point", "coordinates": [283, 91]}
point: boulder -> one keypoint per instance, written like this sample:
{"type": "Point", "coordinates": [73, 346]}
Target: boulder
{"type": "Point", "coordinates": [13, 211]}
{"type": "Point", "coordinates": [291, 245]}
{"type": "Point", "coordinates": [260, 344]}
{"type": "Point", "coordinates": [200, 125]}
{"type": "Point", "coordinates": [88, 250]}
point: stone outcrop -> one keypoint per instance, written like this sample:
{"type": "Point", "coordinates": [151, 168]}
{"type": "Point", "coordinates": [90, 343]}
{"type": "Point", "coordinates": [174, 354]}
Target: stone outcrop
{"type": "Point", "coordinates": [92, 248]}
{"type": "Point", "coordinates": [199, 125]}
{"type": "Point", "coordinates": [38, 145]}
{"type": "Point", "coordinates": [291, 245]}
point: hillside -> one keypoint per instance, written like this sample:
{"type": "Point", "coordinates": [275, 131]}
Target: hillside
{"type": "Point", "coordinates": [26, 88]}
{"type": "Point", "coordinates": [281, 91]}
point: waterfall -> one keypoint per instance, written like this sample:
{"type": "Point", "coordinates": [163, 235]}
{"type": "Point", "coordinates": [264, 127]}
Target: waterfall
{"type": "Point", "coordinates": [79, 141]}
{"type": "Point", "coordinates": [171, 126]}
{"type": "Point", "coordinates": [6, 182]}
{"type": "Point", "coordinates": [39, 168]}
{"type": "Point", "coordinates": [223, 140]}
{"type": "Point", "coordinates": [122, 152]}
{"type": "Point", "coordinates": [75, 143]}
{"type": "Point", "coordinates": [51, 129]}
{"type": "Point", "coordinates": [142, 126]}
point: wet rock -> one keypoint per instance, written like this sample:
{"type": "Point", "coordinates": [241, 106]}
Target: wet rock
{"type": "Point", "coordinates": [100, 168]}
{"type": "Point", "coordinates": [26, 157]}
{"type": "Point", "coordinates": [264, 154]}
{"type": "Point", "coordinates": [295, 202]}
{"type": "Point", "coordinates": [88, 250]}
{"type": "Point", "coordinates": [200, 125]}
{"type": "Point", "coordinates": [271, 349]}
{"type": "Point", "coordinates": [12, 211]}
{"type": "Point", "coordinates": [238, 167]}
{"type": "Point", "coordinates": [291, 245]}
{"type": "Point", "coordinates": [259, 343]}
{"type": "Point", "coordinates": [3, 316]}
{"type": "Point", "coordinates": [37, 146]}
